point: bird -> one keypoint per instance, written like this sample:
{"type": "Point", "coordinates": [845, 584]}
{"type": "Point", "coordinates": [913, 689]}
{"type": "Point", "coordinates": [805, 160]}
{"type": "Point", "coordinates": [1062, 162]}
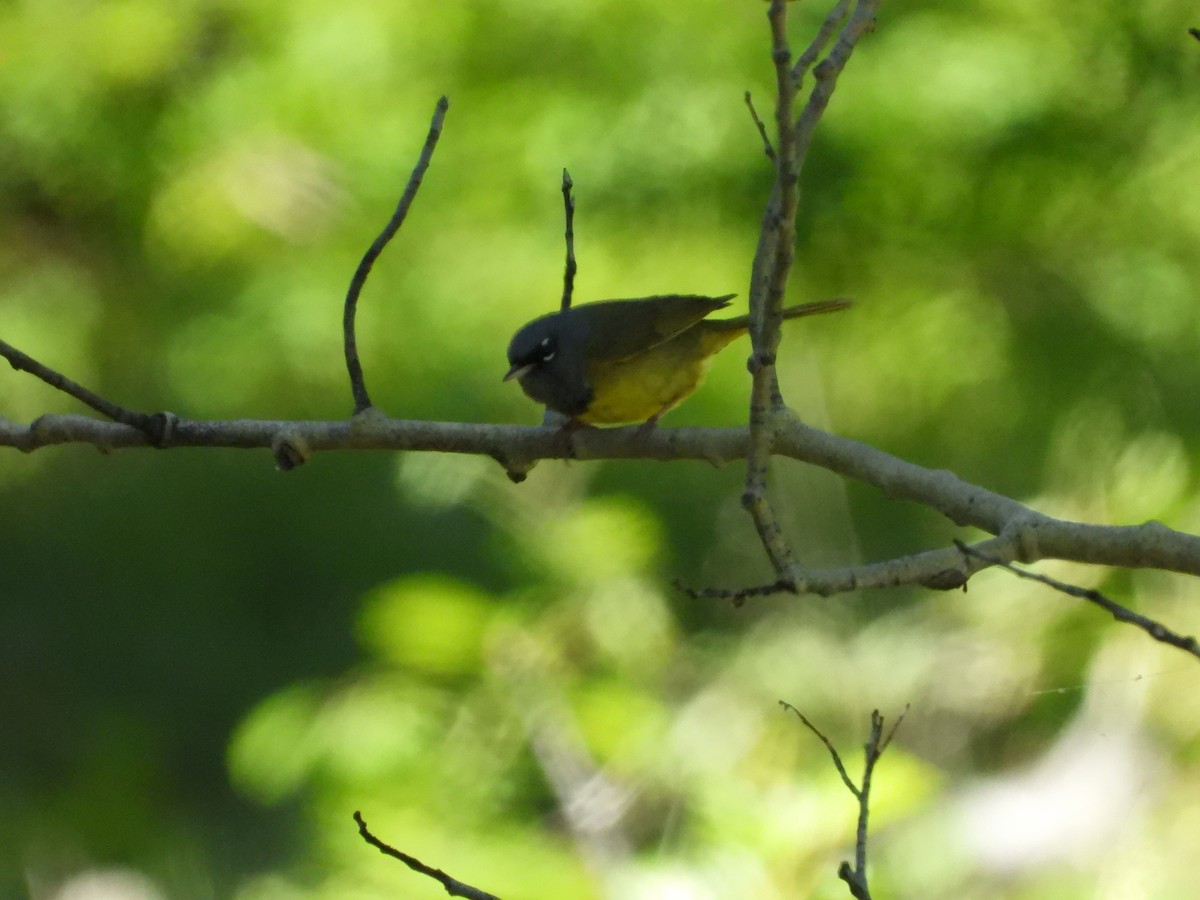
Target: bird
{"type": "Point", "coordinates": [615, 362]}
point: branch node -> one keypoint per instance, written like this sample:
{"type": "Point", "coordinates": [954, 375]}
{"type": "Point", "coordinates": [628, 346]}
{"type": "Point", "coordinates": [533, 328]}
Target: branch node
{"type": "Point", "coordinates": [160, 429]}
{"type": "Point", "coordinates": [290, 451]}
{"type": "Point", "coordinates": [946, 580]}
{"type": "Point", "coordinates": [516, 468]}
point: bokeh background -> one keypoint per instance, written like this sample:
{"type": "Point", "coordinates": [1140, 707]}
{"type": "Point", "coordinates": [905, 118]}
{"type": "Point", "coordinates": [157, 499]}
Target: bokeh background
{"type": "Point", "coordinates": [206, 665]}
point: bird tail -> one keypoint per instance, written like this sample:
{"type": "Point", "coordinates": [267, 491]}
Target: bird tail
{"type": "Point", "coordinates": [741, 324]}
{"type": "Point", "coordinates": [812, 309]}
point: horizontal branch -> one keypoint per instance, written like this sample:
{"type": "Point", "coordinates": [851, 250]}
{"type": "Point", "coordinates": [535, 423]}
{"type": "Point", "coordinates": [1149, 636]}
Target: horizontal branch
{"type": "Point", "coordinates": [1022, 534]}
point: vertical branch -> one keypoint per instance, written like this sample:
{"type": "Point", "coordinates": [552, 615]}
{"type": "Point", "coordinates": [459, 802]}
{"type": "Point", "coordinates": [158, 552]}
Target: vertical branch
{"type": "Point", "coordinates": [569, 213]}
{"type": "Point", "coordinates": [776, 247]}
{"type": "Point", "coordinates": [772, 264]}
{"type": "Point", "coordinates": [358, 387]}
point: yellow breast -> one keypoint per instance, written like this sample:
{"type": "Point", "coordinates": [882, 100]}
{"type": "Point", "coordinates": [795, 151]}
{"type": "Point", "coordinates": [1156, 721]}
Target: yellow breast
{"type": "Point", "coordinates": [648, 384]}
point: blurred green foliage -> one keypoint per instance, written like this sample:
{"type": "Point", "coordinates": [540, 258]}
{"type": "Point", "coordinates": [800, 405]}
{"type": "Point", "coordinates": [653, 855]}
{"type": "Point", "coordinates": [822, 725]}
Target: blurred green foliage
{"type": "Point", "coordinates": [206, 666]}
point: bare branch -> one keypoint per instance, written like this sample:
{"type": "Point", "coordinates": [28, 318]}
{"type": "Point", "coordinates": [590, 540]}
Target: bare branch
{"type": "Point", "coordinates": [453, 887]}
{"type": "Point", "coordinates": [358, 387]}
{"type": "Point", "coordinates": [569, 213]}
{"type": "Point", "coordinates": [1155, 629]}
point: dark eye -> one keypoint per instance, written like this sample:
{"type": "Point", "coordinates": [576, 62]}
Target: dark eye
{"type": "Point", "coordinates": [548, 349]}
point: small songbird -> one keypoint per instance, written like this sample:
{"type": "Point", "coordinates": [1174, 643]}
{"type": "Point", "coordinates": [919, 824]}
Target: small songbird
{"type": "Point", "coordinates": [619, 361]}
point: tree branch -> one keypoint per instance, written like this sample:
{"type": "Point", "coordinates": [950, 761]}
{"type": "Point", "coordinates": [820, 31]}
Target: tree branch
{"type": "Point", "coordinates": [1022, 533]}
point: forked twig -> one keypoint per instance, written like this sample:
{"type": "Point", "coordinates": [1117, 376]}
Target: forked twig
{"type": "Point", "coordinates": [856, 876]}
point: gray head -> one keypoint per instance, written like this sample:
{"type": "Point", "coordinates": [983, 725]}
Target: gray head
{"type": "Point", "coordinates": [549, 360]}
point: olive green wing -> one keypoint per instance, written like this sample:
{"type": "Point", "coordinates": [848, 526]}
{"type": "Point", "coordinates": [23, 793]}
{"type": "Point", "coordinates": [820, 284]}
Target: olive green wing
{"type": "Point", "coordinates": [618, 329]}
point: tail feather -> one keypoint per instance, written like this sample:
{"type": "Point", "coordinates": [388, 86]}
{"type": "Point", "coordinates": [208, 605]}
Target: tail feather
{"type": "Point", "coordinates": [812, 309]}
{"type": "Point", "coordinates": [742, 323]}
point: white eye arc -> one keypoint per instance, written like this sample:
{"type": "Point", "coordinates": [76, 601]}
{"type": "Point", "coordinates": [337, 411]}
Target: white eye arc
{"type": "Point", "coordinates": [547, 356]}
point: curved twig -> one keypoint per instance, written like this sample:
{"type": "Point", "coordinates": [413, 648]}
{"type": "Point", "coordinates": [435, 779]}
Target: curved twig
{"type": "Point", "coordinates": [358, 386]}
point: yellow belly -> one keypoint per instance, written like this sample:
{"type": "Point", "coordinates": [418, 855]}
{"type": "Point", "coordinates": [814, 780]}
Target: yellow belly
{"type": "Point", "coordinates": [648, 384]}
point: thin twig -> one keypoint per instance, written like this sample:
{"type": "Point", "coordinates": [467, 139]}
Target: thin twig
{"type": "Point", "coordinates": [1156, 630]}
{"type": "Point", "coordinates": [358, 387]}
{"type": "Point", "coordinates": [837, 759]}
{"type": "Point", "coordinates": [762, 128]}
{"type": "Point", "coordinates": [895, 727]}
{"type": "Point", "coordinates": [1194, 32]}
{"type": "Point", "coordinates": [24, 363]}
{"type": "Point", "coordinates": [736, 596]}
{"type": "Point", "coordinates": [453, 887]}
{"type": "Point", "coordinates": [569, 214]}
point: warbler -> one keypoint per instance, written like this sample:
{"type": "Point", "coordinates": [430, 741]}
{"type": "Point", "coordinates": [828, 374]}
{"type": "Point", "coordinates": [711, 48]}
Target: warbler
{"type": "Point", "coordinates": [620, 361]}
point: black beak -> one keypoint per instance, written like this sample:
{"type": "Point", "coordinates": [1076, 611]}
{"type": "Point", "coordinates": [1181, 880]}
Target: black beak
{"type": "Point", "coordinates": [517, 371]}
